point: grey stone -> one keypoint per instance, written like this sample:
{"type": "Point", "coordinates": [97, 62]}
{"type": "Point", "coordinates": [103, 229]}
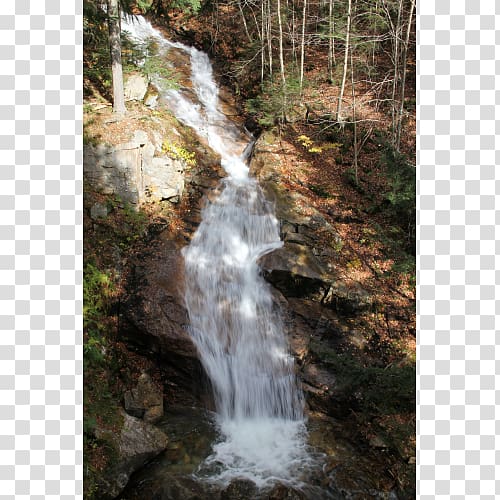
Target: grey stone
{"type": "Point", "coordinates": [145, 400]}
{"type": "Point", "coordinates": [163, 178]}
{"type": "Point", "coordinates": [131, 171]}
{"type": "Point", "coordinates": [98, 211]}
{"type": "Point", "coordinates": [136, 444]}
{"type": "Point", "coordinates": [114, 170]}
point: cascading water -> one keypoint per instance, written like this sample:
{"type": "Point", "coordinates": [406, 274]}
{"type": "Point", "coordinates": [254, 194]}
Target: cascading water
{"type": "Point", "coordinates": [234, 323]}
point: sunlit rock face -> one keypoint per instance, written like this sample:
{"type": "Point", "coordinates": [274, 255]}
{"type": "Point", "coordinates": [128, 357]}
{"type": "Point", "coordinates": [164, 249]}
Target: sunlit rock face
{"type": "Point", "coordinates": [134, 171]}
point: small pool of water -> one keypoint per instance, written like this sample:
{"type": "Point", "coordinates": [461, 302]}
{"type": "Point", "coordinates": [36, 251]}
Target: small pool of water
{"type": "Point", "coordinates": [192, 432]}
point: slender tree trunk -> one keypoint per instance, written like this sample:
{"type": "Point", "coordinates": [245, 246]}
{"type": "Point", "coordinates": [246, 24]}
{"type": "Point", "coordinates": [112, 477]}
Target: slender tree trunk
{"type": "Point", "coordinates": [244, 21]}
{"type": "Point", "coordinates": [269, 38]}
{"type": "Point", "coordinates": [116, 57]}
{"type": "Point", "coordinates": [282, 61]}
{"type": "Point", "coordinates": [263, 43]}
{"type": "Point", "coordinates": [403, 77]}
{"type": "Point", "coordinates": [280, 42]}
{"type": "Point", "coordinates": [302, 44]}
{"type": "Point", "coordinates": [374, 43]}
{"type": "Point", "coordinates": [396, 56]}
{"type": "Point", "coordinates": [346, 59]}
{"type": "Point", "coordinates": [331, 41]}
{"type": "Point", "coordinates": [355, 141]}
{"type": "Point", "coordinates": [292, 38]}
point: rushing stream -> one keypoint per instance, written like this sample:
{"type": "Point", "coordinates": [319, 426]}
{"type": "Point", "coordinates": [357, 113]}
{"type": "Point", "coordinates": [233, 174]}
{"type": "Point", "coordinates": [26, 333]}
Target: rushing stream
{"type": "Point", "coordinates": [234, 323]}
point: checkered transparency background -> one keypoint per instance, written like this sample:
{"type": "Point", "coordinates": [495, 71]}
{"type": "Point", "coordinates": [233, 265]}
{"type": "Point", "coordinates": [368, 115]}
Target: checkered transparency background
{"type": "Point", "coordinates": [41, 249]}
{"type": "Point", "coordinates": [459, 427]}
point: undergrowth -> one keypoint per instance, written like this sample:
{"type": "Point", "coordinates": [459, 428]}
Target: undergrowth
{"type": "Point", "coordinates": [381, 397]}
{"type": "Point", "coordinates": [108, 242]}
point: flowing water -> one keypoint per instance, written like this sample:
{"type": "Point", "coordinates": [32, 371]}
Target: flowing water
{"type": "Point", "coordinates": [234, 322]}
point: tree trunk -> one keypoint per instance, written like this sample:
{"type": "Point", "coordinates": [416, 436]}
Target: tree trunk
{"type": "Point", "coordinates": [293, 37]}
{"type": "Point", "coordinates": [302, 45]}
{"type": "Point", "coordinates": [331, 41]}
{"type": "Point", "coordinates": [355, 140]}
{"type": "Point", "coordinates": [282, 61]}
{"type": "Point", "coordinates": [346, 59]}
{"type": "Point", "coordinates": [269, 38]}
{"type": "Point", "coordinates": [263, 44]}
{"type": "Point", "coordinates": [244, 21]}
{"type": "Point", "coordinates": [396, 56]}
{"type": "Point", "coordinates": [403, 77]}
{"type": "Point", "coordinates": [280, 41]}
{"type": "Point", "coordinates": [116, 57]}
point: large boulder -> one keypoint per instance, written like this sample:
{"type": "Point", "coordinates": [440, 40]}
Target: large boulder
{"type": "Point", "coordinates": [115, 169]}
{"type": "Point", "coordinates": [135, 171]}
{"type": "Point", "coordinates": [154, 318]}
{"type": "Point", "coordinates": [163, 178]}
{"type": "Point", "coordinates": [295, 271]}
{"type": "Point", "coordinates": [137, 443]}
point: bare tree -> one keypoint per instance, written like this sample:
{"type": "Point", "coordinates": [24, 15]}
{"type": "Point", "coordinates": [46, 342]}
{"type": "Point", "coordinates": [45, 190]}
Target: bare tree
{"type": "Point", "coordinates": [331, 41]}
{"type": "Point", "coordinates": [116, 57]}
{"type": "Point", "coordinates": [302, 44]}
{"type": "Point", "coordinates": [280, 41]}
{"type": "Point", "coordinates": [269, 25]}
{"type": "Point", "coordinates": [355, 139]}
{"type": "Point", "coordinates": [403, 77]}
{"type": "Point", "coordinates": [346, 59]}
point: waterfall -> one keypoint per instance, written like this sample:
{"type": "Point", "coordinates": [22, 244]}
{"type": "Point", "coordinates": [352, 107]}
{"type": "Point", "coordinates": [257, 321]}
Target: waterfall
{"type": "Point", "coordinates": [234, 322]}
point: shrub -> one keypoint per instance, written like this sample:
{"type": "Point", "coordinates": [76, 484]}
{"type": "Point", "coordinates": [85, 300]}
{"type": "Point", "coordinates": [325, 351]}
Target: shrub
{"type": "Point", "coordinates": [401, 195]}
{"type": "Point", "coordinates": [177, 152]}
{"type": "Point", "coordinates": [97, 292]}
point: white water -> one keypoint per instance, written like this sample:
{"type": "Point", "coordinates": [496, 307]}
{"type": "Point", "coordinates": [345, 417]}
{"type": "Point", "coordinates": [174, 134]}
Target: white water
{"type": "Point", "coordinates": [234, 324]}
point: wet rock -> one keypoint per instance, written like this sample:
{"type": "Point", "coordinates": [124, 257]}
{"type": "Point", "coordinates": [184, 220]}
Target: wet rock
{"type": "Point", "coordinates": [135, 87]}
{"type": "Point", "coordinates": [359, 481]}
{"type": "Point", "coordinates": [145, 400]}
{"type": "Point", "coordinates": [283, 492]}
{"type": "Point", "coordinates": [295, 271]}
{"type": "Point", "coordinates": [173, 488]}
{"type": "Point", "coordinates": [154, 319]}
{"type": "Point", "coordinates": [252, 125]}
{"type": "Point", "coordinates": [319, 377]}
{"type": "Point", "coordinates": [136, 444]}
{"type": "Point", "coordinates": [239, 489]}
